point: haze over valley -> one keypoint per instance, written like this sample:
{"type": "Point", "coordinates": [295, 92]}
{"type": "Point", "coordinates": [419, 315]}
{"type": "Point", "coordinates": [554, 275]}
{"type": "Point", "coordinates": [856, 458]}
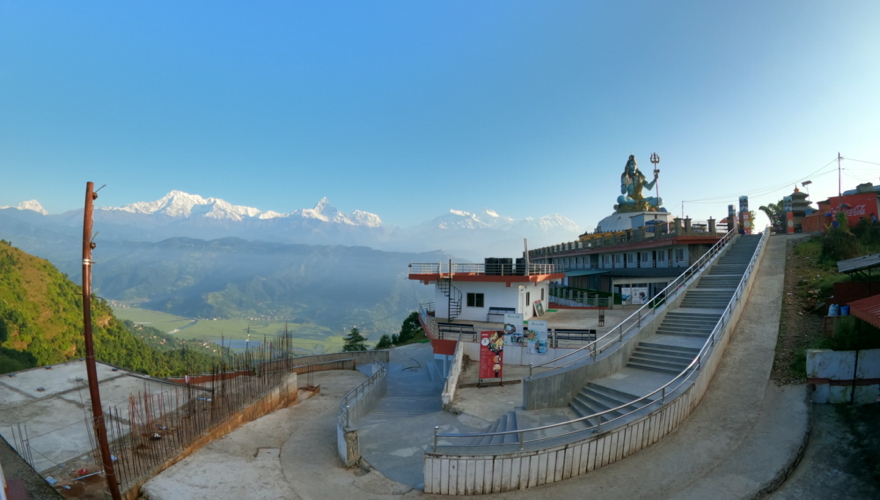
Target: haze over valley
{"type": "Point", "coordinates": [322, 269]}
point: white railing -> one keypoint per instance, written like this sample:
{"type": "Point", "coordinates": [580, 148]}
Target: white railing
{"type": "Point", "coordinates": [360, 400]}
{"type": "Point", "coordinates": [484, 269]}
{"type": "Point", "coordinates": [659, 395]}
{"type": "Point", "coordinates": [648, 310]}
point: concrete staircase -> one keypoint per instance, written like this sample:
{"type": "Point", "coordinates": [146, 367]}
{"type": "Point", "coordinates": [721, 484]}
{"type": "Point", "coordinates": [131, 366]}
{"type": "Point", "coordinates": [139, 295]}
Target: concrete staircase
{"type": "Point", "coordinates": [503, 424]}
{"type": "Point", "coordinates": [662, 358]}
{"type": "Point", "coordinates": [689, 324]}
{"type": "Point", "coordinates": [595, 398]}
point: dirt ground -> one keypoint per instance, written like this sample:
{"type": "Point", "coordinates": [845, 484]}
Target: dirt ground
{"type": "Point", "coordinates": [799, 326]}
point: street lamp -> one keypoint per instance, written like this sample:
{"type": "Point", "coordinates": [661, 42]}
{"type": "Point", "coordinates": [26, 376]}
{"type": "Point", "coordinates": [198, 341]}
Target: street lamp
{"type": "Point", "coordinates": [805, 184]}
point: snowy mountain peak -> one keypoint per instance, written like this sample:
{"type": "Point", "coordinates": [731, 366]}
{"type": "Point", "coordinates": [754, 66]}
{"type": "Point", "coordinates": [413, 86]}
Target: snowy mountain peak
{"type": "Point", "coordinates": [32, 205]}
{"type": "Point", "coordinates": [490, 219]}
{"type": "Point", "coordinates": [179, 204]}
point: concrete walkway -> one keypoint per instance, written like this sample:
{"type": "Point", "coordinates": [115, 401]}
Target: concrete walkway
{"type": "Point", "coordinates": [740, 442]}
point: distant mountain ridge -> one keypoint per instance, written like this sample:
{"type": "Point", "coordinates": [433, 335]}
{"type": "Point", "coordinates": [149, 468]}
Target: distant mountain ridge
{"type": "Point", "coordinates": [471, 235]}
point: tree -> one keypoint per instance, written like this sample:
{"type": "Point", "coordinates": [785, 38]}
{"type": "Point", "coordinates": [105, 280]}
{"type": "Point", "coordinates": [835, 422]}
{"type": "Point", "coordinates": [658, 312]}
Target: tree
{"type": "Point", "coordinates": [384, 342]}
{"type": "Point", "coordinates": [409, 327]}
{"type": "Point", "coordinates": [354, 341]}
{"type": "Point", "coordinates": [776, 214]}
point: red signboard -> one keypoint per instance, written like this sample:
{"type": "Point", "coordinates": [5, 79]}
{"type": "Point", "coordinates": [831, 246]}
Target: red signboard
{"type": "Point", "coordinates": [491, 354]}
{"type": "Point", "coordinates": [855, 206]}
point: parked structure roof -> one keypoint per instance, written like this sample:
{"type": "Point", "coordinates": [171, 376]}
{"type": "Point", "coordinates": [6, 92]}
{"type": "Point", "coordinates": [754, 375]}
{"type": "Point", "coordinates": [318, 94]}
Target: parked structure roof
{"type": "Point", "coordinates": [867, 310]}
{"type": "Point", "coordinates": [859, 263]}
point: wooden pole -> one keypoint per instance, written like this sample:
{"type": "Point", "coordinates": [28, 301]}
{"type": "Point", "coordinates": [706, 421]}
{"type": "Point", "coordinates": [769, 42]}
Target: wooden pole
{"type": "Point", "coordinates": [94, 393]}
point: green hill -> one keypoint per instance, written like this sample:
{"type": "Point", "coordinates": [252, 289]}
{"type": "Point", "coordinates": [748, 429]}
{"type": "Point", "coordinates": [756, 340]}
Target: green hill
{"type": "Point", "coordinates": [41, 324]}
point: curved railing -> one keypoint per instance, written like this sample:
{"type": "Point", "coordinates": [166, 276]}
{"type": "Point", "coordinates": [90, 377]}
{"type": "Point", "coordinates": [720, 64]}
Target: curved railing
{"type": "Point", "coordinates": [359, 401]}
{"type": "Point", "coordinates": [659, 395]}
{"type": "Point", "coordinates": [649, 309]}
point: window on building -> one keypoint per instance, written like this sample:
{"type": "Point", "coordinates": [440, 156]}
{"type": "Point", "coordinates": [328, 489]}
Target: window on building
{"type": "Point", "coordinates": [679, 254]}
{"type": "Point", "coordinates": [528, 298]}
{"type": "Point", "coordinates": [618, 259]}
{"type": "Point", "coordinates": [630, 258]}
{"type": "Point", "coordinates": [475, 300]}
{"type": "Point", "coordinates": [646, 257]}
{"type": "Point", "coordinates": [661, 256]}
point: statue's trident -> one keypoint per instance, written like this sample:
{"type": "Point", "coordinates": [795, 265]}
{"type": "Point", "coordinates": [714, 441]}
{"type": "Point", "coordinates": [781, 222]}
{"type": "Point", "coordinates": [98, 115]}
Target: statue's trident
{"type": "Point", "coordinates": [655, 159]}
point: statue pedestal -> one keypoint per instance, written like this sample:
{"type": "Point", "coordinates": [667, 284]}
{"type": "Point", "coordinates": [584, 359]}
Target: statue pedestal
{"type": "Point", "coordinates": [630, 220]}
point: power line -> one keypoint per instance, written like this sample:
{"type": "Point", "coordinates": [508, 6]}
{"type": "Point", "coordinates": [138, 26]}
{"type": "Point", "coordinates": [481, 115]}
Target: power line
{"type": "Point", "coordinates": [862, 161]}
{"type": "Point", "coordinates": [767, 190]}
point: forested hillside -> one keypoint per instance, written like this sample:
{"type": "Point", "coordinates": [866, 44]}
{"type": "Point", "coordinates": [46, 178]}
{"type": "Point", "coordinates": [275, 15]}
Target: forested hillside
{"type": "Point", "coordinates": [41, 324]}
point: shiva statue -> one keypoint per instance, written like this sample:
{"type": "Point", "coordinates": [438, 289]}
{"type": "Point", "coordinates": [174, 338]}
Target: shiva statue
{"type": "Point", "coordinates": [631, 183]}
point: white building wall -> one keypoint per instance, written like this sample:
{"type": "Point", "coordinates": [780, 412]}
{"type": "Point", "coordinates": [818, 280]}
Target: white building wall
{"type": "Point", "coordinates": [494, 295]}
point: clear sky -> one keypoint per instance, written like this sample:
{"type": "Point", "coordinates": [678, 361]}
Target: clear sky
{"type": "Point", "coordinates": [410, 108]}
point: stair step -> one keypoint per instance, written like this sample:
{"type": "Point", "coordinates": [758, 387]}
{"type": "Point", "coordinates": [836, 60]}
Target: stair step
{"type": "Point", "coordinates": [683, 356]}
{"type": "Point", "coordinates": [640, 366]}
{"type": "Point", "coordinates": [511, 426]}
{"type": "Point", "coordinates": [595, 406]}
{"type": "Point", "coordinates": [694, 350]}
{"type": "Point", "coordinates": [611, 401]}
{"type": "Point", "coordinates": [657, 364]}
{"type": "Point", "coordinates": [502, 426]}
{"type": "Point", "coordinates": [693, 335]}
{"type": "Point", "coordinates": [667, 358]}
{"type": "Point", "coordinates": [485, 440]}
{"type": "Point", "coordinates": [602, 388]}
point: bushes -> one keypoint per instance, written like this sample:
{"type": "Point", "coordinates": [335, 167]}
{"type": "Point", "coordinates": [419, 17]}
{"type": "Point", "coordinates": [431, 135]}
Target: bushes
{"type": "Point", "coordinates": [851, 334]}
{"type": "Point", "coordinates": [839, 243]}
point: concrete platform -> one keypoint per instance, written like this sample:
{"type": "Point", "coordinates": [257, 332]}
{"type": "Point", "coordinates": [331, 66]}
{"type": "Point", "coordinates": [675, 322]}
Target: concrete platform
{"type": "Point", "coordinates": [57, 420]}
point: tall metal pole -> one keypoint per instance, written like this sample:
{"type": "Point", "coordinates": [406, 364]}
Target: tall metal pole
{"type": "Point", "coordinates": [839, 182]}
{"type": "Point", "coordinates": [94, 393]}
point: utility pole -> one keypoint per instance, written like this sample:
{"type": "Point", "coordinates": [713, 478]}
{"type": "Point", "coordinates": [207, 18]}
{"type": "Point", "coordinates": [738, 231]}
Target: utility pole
{"type": "Point", "coordinates": [94, 393]}
{"type": "Point", "coordinates": [839, 182]}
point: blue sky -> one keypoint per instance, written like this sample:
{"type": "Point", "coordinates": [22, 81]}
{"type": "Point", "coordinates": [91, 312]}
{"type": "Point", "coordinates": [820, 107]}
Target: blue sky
{"type": "Point", "coordinates": [407, 109]}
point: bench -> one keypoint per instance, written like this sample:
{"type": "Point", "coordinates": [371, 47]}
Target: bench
{"type": "Point", "coordinates": [499, 313]}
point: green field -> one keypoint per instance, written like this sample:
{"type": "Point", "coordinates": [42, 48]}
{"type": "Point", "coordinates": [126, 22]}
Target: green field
{"type": "Point", "coordinates": [305, 336]}
{"type": "Point", "coordinates": [159, 320]}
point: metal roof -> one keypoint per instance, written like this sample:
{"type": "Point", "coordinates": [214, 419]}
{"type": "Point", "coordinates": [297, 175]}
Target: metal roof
{"type": "Point", "coordinates": [850, 265]}
{"type": "Point", "coordinates": [867, 310]}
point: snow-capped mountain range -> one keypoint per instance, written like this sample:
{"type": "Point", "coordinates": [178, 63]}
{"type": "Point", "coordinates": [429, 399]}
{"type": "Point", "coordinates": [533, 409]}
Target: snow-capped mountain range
{"type": "Point", "coordinates": [180, 214]}
{"type": "Point", "coordinates": [180, 204]}
{"type": "Point", "coordinates": [33, 205]}
{"type": "Point", "coordinates": [489, 219]}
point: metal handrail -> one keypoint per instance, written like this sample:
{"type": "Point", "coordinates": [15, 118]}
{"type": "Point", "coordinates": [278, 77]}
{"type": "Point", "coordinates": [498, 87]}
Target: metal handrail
{"type": "Point", "coordinates": [343, 417]}
{"type": "Point", "coordinates": [652, 304]}
{"type": "Point", "coordinates": [684, 375]}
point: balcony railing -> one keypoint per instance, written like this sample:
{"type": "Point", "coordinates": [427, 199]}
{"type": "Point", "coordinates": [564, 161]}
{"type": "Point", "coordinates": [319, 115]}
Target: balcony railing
{"type": "Point", "coordinates": [484, 269]}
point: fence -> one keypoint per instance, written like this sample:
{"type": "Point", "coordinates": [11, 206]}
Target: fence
{"type": "Point", "coordinates": [486, 269]}
{"type": "Point", "coordinates": [157, 430]}
{"type": "Point", "coordinates": [354, 405]}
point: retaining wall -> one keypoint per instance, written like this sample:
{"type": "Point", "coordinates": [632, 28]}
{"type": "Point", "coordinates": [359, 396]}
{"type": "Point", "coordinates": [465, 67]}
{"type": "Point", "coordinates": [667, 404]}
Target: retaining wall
{"type": "Point", "coordinates": [844, 376]}
{"type": "Point", "coordinates": [483, 474]}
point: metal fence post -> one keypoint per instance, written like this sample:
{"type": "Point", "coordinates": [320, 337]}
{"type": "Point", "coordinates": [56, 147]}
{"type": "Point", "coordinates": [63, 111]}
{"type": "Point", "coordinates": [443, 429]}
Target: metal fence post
{"type": "Point", "coordinates": [531, 366]}
{"type": "Point", "coordinates": [521, 440]}
{"type": "Point", "coordinates": [436, 430]}
{"type": "Point", "coordinates": [348, 416]}
{"type": "Point", "coordinates": [663, 397]}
